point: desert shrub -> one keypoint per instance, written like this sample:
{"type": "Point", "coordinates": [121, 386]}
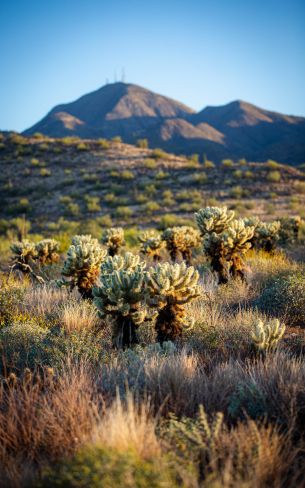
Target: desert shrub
{"type": "Point", "coordinates": [21, 342]}
{"type": "Point", "coordinates": [117, 139]}
{"type": "Point", "coordinates": [151, 207]}
{"type": "Point", "coordinates": [159, 154]}
{"type": "Point", "coordinates": [82, 264]}
{"type": "Point", "coordinates": [123, 212]}
{"type": "Point", "coordinates": [11, 295]}
{"type": "Point", "coordinates": [149, 163]}
{"type": "Point", "coordinates": [103, 143]}
{"type": "Point", "coordinates": [82, 147]}
{"type": "Point", "coordinates": [103, 467]}
{"type": "Point", "coordinates": [274, 176]}
{"type": "Point", "coordinates": [127, 175]}
{"type": "Point", "coordinates": [45, 172]}
{"type": "Point", "coordinates": [92, 203]}
{"type": "Point", "coordinates": [284, 296]}
{"type": "Point", "coordinates": [142, 143]}
{"type": "Point", "coordinates": [227, 163]}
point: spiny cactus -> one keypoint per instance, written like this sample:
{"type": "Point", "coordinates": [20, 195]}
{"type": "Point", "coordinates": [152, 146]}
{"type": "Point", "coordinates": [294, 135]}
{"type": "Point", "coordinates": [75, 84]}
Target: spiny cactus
{"type": "Point", "coordinates": [47, 251]}
{"type": "Point", "coordinates": [152, 244]}
{"type": "Point", "coordinates": [266, 234]}
{"type": "Point", "coordinates": [113, 239]}
{"type": "Point", "coordinates": [82, 265]}
{"type": "Point", "coordinates": [267, 335]}
{"type": "Point", "coordinates": [122, 296]}
{"type": "Point", "coordinates": [181, 240]}
{"type": "Point", "coordinates": [213, 219]}
{"type": "Point", "coordinates": [225, 241]}
{"type": "Point", "coordinates": [171, 287]}
{"type": "Point", "coordinates": [23, 253]}
{"type": "Point", "coordinates": [127, 262]}
{"type": "Point", "coordinates": [290, 227]}
{"type": "Point", "coordinates": [24, 256]}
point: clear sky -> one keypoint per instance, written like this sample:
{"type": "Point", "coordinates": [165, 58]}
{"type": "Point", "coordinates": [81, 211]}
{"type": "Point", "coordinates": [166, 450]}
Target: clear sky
{"type": "Point", "coordinates": [200, 52]}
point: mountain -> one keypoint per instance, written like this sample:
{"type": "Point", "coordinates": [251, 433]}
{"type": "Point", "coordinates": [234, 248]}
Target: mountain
{"type": "Point", "coordinates": [236, 130]}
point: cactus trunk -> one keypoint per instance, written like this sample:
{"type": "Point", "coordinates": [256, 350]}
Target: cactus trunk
{"type": "Point", "coordinates": [125, 334]}
{"type": "Point", "coordinates": [169, 323]}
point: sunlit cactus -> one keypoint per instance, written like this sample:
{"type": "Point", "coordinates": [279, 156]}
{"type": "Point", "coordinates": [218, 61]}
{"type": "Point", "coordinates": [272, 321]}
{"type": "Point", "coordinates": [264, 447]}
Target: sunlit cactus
{"type": "Point", "coordinates": [121, 295]}
{"type": "Point", "coordinates": [113, 239]}
{"type": "Point", "coordinates": [24, 252]}
{"type": "Point", "coordinates": [290, 227]}
{"type": "Point", "coordinates": [151, 245]}
{"type": "Point", "coordinates": [213, 219]}
{"type": "Point", "coordinates": [127, 262]}
{"type": "Point", "coordinates": [47, 251]}
{"type": "Point", "coordinates": [82, 265]}
{"type": "Point", "coordinates": [225, 241]}
{"type": "Point", "coordinates": [267, 335]}
{"type": "Point", "coordinates": [267, 234]}
{"type": "Point", "coordinates": [171, 287]}
{"type": "Point", "coordinates": [181, 240]}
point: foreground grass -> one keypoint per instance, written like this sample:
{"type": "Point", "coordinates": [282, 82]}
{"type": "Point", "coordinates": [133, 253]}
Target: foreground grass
{"type": "Point", "coordinates": [205, 411]}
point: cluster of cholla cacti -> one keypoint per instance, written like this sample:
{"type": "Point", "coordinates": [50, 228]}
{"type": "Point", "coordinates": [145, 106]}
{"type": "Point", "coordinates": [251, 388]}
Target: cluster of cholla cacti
{"type": "Point", "coordinates": [225, 241]}
{"type": "Point", "coordinates": [113, 239]}
{"type": "Point", "coordinates": [131, 295]}
{"type": "Point", "coordinates": [27, 253]}
{"type": "Point", "coordinates": [266, 336]}
{"type": "Point", "coordinates": [82, 265]}
{"type": "Point", "coordinates": [180, 241]}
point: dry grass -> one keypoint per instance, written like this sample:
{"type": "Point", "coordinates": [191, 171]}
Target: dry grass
{"type": "Point", "coordinates": [76, 316]}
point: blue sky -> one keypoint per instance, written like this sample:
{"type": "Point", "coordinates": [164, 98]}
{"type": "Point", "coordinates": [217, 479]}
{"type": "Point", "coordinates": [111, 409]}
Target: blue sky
{"type": "Point", "coordinates": [200, 52]}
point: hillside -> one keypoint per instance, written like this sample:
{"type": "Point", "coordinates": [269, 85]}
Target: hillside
{"type": "Point", "coordinates": [58, 182]}
{"type": "Point", "coordinates": [235, 130]}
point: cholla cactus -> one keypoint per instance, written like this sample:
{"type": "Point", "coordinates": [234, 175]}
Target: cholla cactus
{"type": "Point", "coordinates": [47, 251]}
{"type": "Point", "coordinates": [125, 263]}
{"type": "Point", "coordinates": [225, 241]}
{"type": "Point", "coordinates": [24, 255]}
{"type": "Point", "coordinates": [267, 335]}
{"type": "Point", "coordinates": [24, 252]}
{"type": "Point", "coordinates": [122, 296]}
{"type": "Point", "coordinates": [267, 235]}
{"type": "Point", "coordinates": [181, 240]}
{"type": "Point", "coordinates": [82, 265]}
{"type": "Point", "coordinates": [289, 231]}
{"type": "Point", "coordinates": [152, 244]}
{"type": "Point", "coordinates": [113, 238]}
{"type": "Point", "coordinates": [171, 287]}
{"type": "Point", "coordinates": [213, 219]}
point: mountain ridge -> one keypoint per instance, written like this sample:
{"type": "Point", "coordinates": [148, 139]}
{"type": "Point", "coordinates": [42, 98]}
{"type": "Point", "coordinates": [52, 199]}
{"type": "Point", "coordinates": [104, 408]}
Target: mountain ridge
{"type": "Point", "coordinates": [234, 130]}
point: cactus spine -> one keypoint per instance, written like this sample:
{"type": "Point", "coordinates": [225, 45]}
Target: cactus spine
{"type": "Point", "coordinates": [171, 287]}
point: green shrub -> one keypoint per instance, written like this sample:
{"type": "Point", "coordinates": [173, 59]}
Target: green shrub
{"type": "Point", "coordinates": [117, 139]}
{"type": "Point", "coordinates": [284, 296]}
{"type": "Point", "coordinates": [274, 176]}
{"type": "Point", "coordinates": [103, 143]}
{"type": "Point", "coordinates": [104, 467]}
{"type": "Point", "coordinates": [123, 212]}
{"type": "Point", "coordinates": [142, 143]}
{"type": "Point", "coordinates": [159, 154]}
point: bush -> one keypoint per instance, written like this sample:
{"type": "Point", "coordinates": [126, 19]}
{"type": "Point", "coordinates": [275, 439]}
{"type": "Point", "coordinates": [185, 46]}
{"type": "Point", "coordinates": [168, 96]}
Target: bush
{"type": "Point", "coordinates": [284, 296]}
{"type": "Point", "coordinates": [142, 143]}
{"type": "Point", "coordinates": [274, 176]}
{"type": "Point", "coordinates": [103, 467]}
